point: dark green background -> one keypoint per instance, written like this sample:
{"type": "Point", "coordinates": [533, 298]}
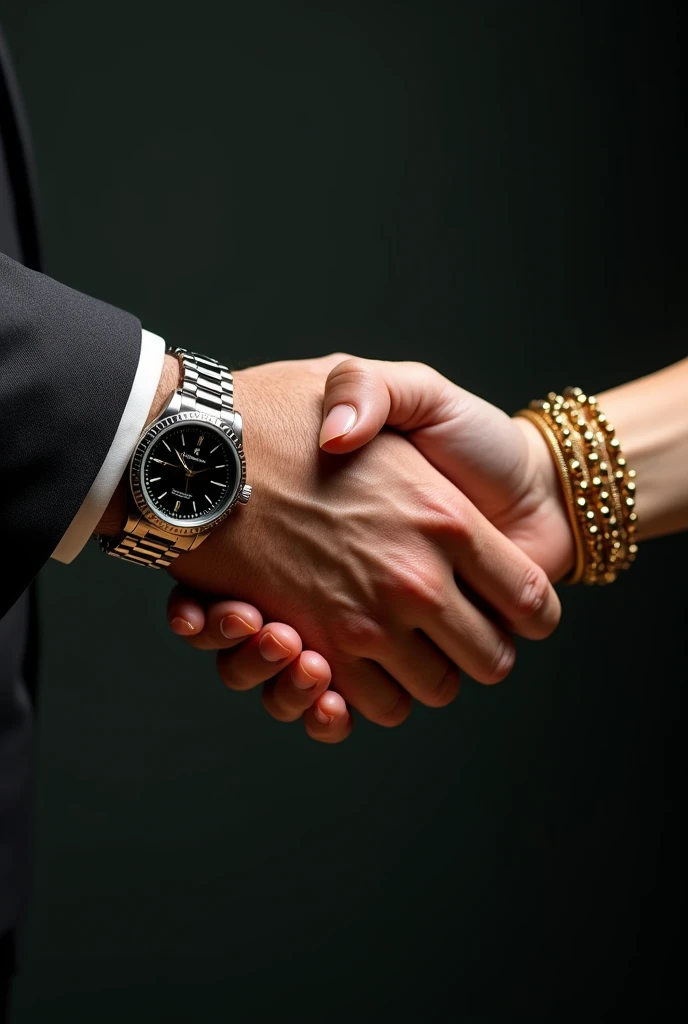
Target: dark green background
{"type": "Point", "coordinates": [496, 188]}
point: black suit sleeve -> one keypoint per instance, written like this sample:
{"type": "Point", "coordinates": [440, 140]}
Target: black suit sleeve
{"type": "Point", "coordinates": [67, 365]}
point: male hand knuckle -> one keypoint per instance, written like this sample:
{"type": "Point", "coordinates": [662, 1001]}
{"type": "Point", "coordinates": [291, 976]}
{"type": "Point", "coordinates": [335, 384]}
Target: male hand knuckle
{"type": "Point", "coordinates": [413, 579]}
{"type": "Point", "coordinates": [358, 632]}
{"type": "Point", "coordinates": [459, 524]}
{"type": "Point", "coordinates": [444, 514]}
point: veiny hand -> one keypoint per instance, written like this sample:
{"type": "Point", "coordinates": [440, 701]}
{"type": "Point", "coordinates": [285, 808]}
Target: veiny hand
{"type": "Point", "coordinates": [295, 682]}
{"type": "Point", "coordinates": [503, 465]}
{"type": "Point", "coordinates": [361, 555]}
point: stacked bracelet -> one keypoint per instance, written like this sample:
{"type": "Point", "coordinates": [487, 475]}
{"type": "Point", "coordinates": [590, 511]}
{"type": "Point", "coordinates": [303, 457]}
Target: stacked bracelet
{"type": "Point", "coordinates": [598, 486]}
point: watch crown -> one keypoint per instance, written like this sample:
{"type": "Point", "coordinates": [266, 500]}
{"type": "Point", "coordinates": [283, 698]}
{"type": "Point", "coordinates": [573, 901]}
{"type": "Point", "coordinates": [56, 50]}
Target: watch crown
{"type": "Point", "coordinates": [245, 494]}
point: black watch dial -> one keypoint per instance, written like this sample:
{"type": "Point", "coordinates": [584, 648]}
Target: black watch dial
{"type": "Point", "coordinates": [190, 473]}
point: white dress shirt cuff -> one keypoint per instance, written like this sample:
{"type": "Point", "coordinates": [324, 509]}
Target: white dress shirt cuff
{"type": "Point", "coordinates": [130, 428]}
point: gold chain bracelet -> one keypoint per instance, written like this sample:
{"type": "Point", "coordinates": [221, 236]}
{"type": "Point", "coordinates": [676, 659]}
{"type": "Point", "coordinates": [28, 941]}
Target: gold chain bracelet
{"type": "Point", "coordinates": [598, 486]}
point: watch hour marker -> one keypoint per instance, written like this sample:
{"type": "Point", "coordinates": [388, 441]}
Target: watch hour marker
{"type": "Point", "coordinates": [177, 506]}
{"type": "Point", "coordinates": [216, 483]}
{"type": "Point", "coordinates": [183, 441]}
{"type": "Point", "coordinates": [200, 440]}
{"type": "Point", "coordinates": [194, 505]}
{"type": "Point", "coordinates": [214, 449]}
{"type": "Point", "coordinates": [161, 496]}
{"type": "Point", "coordinates": [167, 446]}
{"type": "Point", "coordinates": [210, 500]}
{"type": "Point", "coordinates": [221, 466]}
{"type": "Point", "coordinates": [154, 479]}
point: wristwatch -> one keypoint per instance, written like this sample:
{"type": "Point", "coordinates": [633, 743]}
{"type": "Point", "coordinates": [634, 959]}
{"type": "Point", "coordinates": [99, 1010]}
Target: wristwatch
{"type": "Point", "coordinates": [188, 470]}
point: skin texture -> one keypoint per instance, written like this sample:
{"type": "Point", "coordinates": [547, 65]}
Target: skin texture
{"type": "Point", "coordinates": [650, 418]}
{"type": "Point", "coordinates": [360, 555]}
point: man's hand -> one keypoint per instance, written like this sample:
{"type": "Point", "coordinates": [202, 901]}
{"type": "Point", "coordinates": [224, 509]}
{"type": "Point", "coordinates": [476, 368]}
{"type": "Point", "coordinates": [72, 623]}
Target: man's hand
{"type": "Point", "coordinates": [503, 465]}
{"type": "Point", "coordinates": [360, 555]}
{"type": "Point", "coordinates": [295, 682]}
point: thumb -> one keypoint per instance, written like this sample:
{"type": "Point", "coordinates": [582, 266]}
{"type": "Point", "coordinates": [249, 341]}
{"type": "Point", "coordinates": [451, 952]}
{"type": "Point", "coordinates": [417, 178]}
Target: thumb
{"type": "Point", "coordinates": [364, 395]}
{"type": "Point", "coordinates": [471, 442]}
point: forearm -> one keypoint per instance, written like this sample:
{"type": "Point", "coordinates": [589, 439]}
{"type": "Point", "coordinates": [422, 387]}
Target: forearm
{"type": "Point", "coordinates": [651, 420]}
{"type": "Point", "coordinates": [113, 517]}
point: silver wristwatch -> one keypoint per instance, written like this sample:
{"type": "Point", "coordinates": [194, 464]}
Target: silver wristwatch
{"type": "Point", "coordinates": [188, 470]}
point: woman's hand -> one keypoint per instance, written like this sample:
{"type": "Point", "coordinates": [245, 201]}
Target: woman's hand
{"type": "Point", "coordinates": [501, 464]}
{"type": "Point", "coordinates": [295, 682]}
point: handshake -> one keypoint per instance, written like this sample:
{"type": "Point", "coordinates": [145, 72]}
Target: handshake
{"type": "Point", "coordinates": [423, 531]}
{"type": "Point", "coordinates": [402, 555]}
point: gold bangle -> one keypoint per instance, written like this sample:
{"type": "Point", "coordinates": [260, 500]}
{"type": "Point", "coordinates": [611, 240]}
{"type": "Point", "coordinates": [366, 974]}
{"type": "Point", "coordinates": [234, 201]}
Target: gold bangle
{"type": "Point", "coordinates": [620, 486]}
{"type": "Point", "coordinates": [598, 486]}
{"type": "Point", "coordinates": [582, 465]}
{"type": "Point", "coordinates": [616, 518]}
{"type": "Point", "coordinates": [565, 481]}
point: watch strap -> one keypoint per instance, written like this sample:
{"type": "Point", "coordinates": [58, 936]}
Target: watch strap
{"type": "Point", "coordinates": [206, 386]}
{"type": "Point", "coordinates": [144, 545]}
{"type": "Point", "coordinates": [205, 383]}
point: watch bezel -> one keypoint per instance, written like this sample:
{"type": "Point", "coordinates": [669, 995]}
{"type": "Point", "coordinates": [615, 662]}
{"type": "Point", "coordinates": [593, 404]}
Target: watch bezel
{"type": "Point", "coordinates": [149, 436]}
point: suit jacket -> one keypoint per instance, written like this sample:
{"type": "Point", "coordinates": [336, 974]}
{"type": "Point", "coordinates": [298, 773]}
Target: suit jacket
{"type": "Point", "coordinates": [67, 364]}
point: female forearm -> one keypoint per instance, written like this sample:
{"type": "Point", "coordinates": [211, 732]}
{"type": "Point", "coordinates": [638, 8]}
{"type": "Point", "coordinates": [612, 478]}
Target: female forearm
{"type": "Point", "coordinates": [651, 420]}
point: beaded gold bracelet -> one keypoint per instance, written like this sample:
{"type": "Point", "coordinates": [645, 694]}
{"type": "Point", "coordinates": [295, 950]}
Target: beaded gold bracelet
{"type": "Point", "coordinates": [598, 486]}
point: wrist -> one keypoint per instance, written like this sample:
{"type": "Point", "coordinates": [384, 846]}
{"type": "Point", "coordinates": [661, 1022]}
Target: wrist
{"type": "Point", "coordinates": [650, 421]}
{"type": "Point", "coordinates": [114, 515]}
{"type": "Point", "coordinates": [547, 494]}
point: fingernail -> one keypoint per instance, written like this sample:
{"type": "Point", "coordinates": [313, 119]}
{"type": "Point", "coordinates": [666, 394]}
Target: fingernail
{"type": "Point", "coordinates": [339, 421]}
{"type": "Point", "coordinates": [322, 717]}
{"type": "Point", "coordinates": [271, 648]}
{"type": "Point", "coordinates": [310, 680]}
{"type": "Point", "coordinates": [233, 627]}
{"type": "Point", "coordinates": [182, 626]}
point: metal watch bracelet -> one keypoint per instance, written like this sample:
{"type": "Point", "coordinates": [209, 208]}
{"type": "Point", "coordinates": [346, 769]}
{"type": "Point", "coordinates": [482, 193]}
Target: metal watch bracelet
{"type": "Point", "coordinates": [207, 386]}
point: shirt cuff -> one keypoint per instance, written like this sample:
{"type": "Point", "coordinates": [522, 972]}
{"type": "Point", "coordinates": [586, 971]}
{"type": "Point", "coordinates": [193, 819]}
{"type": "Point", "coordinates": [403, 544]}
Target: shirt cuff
{"type": "Point", "coordinates": [130, 428]}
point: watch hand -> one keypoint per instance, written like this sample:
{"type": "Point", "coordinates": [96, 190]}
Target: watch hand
{"type": "Point", "coordinates": [161, 462]}
{"type": "Point", "coordinates": [181, 459]}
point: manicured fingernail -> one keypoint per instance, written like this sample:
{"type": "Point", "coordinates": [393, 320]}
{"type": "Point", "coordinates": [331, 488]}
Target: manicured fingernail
{"type": "Point", "coordinates": [233, 627]}
{"type": "Point", "coordinates": [272, 649]}
{"type": "Point", "coordinates": [339, 421]}
{"type": "Point", "coordinates": [182, 627]}
{"type": "Point", "coordinates": [322, 717]}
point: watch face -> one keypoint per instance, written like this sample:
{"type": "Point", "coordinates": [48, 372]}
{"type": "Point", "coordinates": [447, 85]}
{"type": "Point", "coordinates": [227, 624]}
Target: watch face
{"type": "Point", "coordinates": [190, 473]}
